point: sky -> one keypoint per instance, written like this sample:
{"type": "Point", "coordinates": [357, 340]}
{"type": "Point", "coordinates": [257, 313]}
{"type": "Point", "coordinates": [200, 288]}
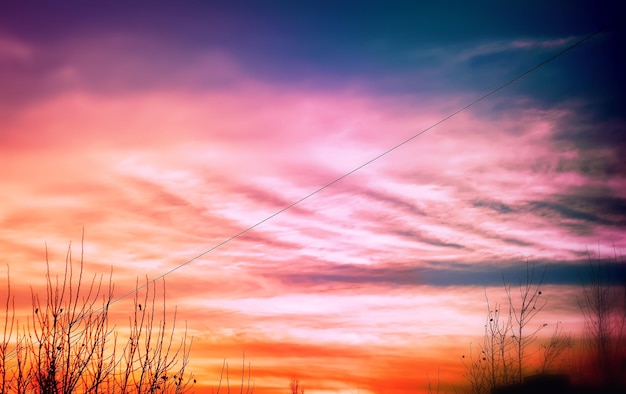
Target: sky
{"type": "Point", "coordinates": [163, 129]}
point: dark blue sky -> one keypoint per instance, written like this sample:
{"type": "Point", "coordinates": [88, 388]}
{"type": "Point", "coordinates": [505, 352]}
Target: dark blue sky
{"type": "Point", "coordinates": [375, 44]}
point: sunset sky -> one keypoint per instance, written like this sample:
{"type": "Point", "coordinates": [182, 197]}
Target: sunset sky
{"type": "Point", "coordinates": [164, 129]}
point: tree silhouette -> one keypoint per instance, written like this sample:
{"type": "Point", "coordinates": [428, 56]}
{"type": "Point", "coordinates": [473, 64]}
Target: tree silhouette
{"type": "Point", "coordinates": [603, 304]}
{"type": "Point", "coordinates": [67, 345]}
{"type": "Point", "coordinates": [510, 337]}
{"type": "Point", "coordinates": [295, 387]}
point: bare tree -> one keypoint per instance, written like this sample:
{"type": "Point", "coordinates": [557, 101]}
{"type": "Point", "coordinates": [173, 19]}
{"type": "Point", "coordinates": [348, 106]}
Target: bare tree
{"type": "Point", "coordinates": [68, 329]}
{"type": "Point", "coordinates": [295, 387]}
{"type": "Point", "coordinates": [249, 390]}
{"type": "Point", "coordinates": [430, 388]}
{"type": "Point", "coordinates": [509, 336]}
{"type": "Point", "coordinates": [553, 349]}
{"type": "Point", "coordinates": [476, 371]}
{"type": "Point", "coordinates": [151, 361]}
{"type": "Point", "coordinates": [7, 334]}
{"type": "Point", "coordinates": [523, 311]}
{"type": "Point", "coordinates": [603, 304]}
{"type": "Point", "coordinates": [67, 346]}
{"type": "Point", "coordinates": [491, 364]}
{"type": "Point", "coordinates": [497, 345]}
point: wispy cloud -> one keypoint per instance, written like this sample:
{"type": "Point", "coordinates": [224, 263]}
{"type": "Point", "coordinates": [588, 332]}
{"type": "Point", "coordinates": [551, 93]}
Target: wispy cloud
{"type": "Point", "coordinates": [522, 44]}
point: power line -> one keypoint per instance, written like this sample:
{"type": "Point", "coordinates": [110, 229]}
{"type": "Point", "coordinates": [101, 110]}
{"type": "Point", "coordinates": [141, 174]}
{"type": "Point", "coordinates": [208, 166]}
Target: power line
{"type": "Point", "coordinates": [370, 161]}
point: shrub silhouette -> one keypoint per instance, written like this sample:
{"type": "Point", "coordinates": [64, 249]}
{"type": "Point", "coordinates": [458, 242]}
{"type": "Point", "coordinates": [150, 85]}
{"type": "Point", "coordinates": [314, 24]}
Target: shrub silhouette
{"type": "Point", "coordinates": [510, 338]}
{"type": "Point", "coordinates": [603, 304]}
{"type": "Point", "coordinates": [499, 364]}
{"type": "Point", "coordinates": [67, 346]}
{"type": "Point", "coordinates": [295, 387]}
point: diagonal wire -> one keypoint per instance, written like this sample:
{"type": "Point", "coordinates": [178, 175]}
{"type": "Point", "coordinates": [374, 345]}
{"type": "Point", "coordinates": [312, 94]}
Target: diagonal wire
{"type": "Point", "coordinates": [375, 158]}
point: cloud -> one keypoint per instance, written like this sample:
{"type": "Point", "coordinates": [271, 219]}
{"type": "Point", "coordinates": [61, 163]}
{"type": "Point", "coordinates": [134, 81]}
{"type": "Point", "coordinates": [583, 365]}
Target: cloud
{"type": "Point", "coordinates": [193, 164]}
{"type": "Point", "coordinates": [13, 50]}
{"type": "Point", "coordinates": [521, 44]}
{"type": "Point", "coordinates": [494, 205]}
{"type": "Point", "coordinates": [436, 273]}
